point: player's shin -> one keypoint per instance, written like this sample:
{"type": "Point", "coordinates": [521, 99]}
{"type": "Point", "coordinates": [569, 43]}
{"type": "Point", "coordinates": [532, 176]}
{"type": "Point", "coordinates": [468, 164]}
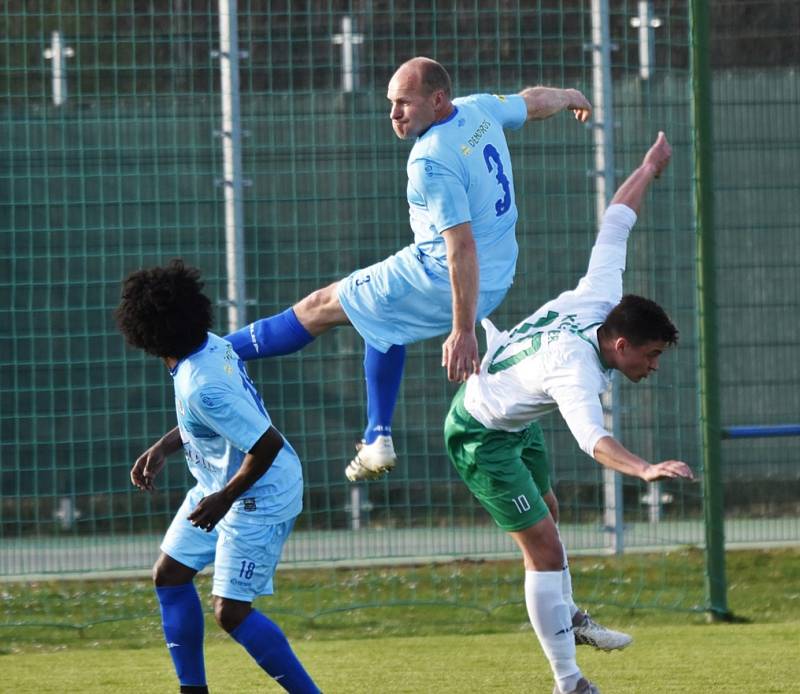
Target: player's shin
{"type": "Point", "coordinates": [566, 585]}
{"type": "Point", "coordinates": [552, 623]}
{"type": "Point", "coordinates": [383, 373]}
{"type": "Point", "coordinates": [182, 620]}
{"type": "Point", "coordinates": [280, 334]}
{"type": "Point", "coordinates": [266, 643]}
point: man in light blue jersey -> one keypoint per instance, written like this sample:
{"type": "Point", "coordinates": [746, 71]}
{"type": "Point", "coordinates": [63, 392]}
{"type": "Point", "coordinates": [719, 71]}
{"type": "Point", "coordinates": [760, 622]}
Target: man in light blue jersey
{"type": "Point", "coordinates": [462, 211]}
{"type": "Point", "coordinates": [249, 481]}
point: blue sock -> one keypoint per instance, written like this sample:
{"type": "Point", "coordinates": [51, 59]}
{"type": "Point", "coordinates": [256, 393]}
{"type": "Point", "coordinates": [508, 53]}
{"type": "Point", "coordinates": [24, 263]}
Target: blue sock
{"type": "Point", "coordinates": [265, 642]}
{"type": "Point", "coordinates": [270, 337]}
{"type": "Point", "coordinates": [182, 619]}
{"type": "Point", "coordinates": [383, 372]}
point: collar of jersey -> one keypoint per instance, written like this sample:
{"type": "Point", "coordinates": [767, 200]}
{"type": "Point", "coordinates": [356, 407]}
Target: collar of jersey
{"type": "Point", "coordinates": [191, 354]}
{"type": "Point", "coordinates": [594, 342]}
{"type": "Point", "coordinates": [439, 122]}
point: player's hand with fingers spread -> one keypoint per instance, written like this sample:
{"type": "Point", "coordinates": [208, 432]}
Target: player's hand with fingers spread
{"type": "Point", "coordinates": [460, 355]}
{"type": "Point", "coordinates": [579, 105]}
{"type": "Point", "coordinates": [669, 469]}
{"type": "Point", "coordinates": [147, 467]}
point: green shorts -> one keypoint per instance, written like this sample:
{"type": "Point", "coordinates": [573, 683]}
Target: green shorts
{"type": "Point", "coordinates": [507, 471]}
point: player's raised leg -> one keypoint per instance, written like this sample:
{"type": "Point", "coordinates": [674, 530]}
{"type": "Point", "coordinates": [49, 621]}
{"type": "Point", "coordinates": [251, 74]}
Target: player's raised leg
{"type": "Point", "coordinates": [383, 372]}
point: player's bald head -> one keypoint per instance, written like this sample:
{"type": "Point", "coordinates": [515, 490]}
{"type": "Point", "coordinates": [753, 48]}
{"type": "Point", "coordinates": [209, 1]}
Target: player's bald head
{"type": "Point", "coordinates": [425, 74]}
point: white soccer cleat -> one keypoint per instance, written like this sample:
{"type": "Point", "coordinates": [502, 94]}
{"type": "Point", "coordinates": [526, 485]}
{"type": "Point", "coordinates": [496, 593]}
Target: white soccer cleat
{"type": "Point", "coordinates": [590, 633]}
{"type": "Point", "coordinates": [584, 686]}
{"type": "Point", "coordinates": [372, 460]}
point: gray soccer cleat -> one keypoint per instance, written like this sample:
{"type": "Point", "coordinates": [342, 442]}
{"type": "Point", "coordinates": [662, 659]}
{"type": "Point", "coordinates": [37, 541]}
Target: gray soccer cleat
{"type": "Point", "coordinates": [590, 633]}
{"type": "Point", "coordinates": [584, 686]}
{"type": "Point", "coordinates": [372, 460]}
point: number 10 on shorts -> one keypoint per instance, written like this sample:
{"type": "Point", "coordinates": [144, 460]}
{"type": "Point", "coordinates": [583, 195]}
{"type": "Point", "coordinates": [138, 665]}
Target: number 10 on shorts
{"type": "Point", "coordinates": [522, 503]}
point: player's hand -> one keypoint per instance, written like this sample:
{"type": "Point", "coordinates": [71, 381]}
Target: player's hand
{"type": "Point", "coordinates": [658, 155]}
{"type": "Point", "coordinates": [579, 105]}
{"type": "Point", "coordinates": [669, 469]}
{"type": "Point", "coordinates": [460, 355]}
{"type": "Point", "coordinates": [147, 467]}
{"type": "Point", "coordinates": [210, 511]}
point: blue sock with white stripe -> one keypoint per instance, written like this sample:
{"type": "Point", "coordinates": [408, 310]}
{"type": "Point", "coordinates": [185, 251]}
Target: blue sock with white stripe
{"type": "Point", "coordinates": [266, 643]}
{"type": "Point", "coordinates": [383, 372]}
{"type": "Point", "coordinates": [270, 337]}
{"type": "Point", "coordinates": [182, 620]}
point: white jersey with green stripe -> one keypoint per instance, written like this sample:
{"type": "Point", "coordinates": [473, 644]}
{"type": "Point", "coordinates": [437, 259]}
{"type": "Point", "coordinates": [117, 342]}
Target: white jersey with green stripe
{"type": "Point", "coordinates": [551, 360]}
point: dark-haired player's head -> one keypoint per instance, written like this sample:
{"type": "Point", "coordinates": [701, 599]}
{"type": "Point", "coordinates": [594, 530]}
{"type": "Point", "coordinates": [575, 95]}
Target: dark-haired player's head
{"type": "Point", "coordinates": [634, 335]}
{"type": "Point", "coordinates": [163, 310]}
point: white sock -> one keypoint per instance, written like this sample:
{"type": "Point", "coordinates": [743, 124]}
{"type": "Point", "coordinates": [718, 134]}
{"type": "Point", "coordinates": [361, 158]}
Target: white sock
{"type": "Point", "coordinates": [552, 623]}
{"type": "Point", "coordinates": [566, 585]}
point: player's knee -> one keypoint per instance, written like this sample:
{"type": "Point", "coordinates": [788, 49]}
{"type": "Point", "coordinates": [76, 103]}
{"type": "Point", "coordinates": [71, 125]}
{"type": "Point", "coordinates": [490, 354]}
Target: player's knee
{"type": "Point", "coordinates": [320, 310]}
{"type": "Point", "coordinates": [168, 572]}
{"type": "Point", "coordinates": [552, 505]}
{"type": "Point", "coordinates": [230, 613]}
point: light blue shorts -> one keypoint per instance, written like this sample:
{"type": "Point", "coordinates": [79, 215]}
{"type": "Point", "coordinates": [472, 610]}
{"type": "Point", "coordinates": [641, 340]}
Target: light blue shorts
{"type": "Point", "coordinates": [404, 299]}
{"type": "Point", "coordinates": [245, 549]}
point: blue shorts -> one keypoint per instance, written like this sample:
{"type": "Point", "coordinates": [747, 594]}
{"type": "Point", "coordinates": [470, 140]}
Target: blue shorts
{"type": "Point", "coordinates": [245, 549]}
{"type": "Point", "coordinates": [404, 299]}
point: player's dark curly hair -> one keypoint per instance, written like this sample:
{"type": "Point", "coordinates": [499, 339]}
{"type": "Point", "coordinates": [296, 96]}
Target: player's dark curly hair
{"type": "Point", "coordinates": [164, 311]}
{"type": "Point", "coordinates": [639, 321]}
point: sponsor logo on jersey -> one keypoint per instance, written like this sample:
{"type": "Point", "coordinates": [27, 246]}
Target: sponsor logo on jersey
{"type": "Point", "coordinates": [249, 504]}
{"type": "Point", "coordinates": [479, 133]}
{"type": "Point", "coordinates": [499, 97]}
{"type": "Point", "coordinates": [466, 151]}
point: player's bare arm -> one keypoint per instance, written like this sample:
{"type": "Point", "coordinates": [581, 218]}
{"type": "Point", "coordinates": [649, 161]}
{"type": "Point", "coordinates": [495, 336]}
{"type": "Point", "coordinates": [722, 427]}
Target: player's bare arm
{"type": "Point", "coordinates": [460, 349]}
{"type": "Point", "coordinates": [151, 462]}
{"type": "Point", "coordinates": [612, 454]}
{"type": "Point", "coordinates": [258, 460]}
{"type": "Point", "coordinates": [632, 191]}
{"type": "Point", "coordinates": [544, 102]}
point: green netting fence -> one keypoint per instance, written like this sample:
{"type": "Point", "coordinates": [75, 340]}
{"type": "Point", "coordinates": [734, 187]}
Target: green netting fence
{"type": "Point", "coordinates": [125, 172]}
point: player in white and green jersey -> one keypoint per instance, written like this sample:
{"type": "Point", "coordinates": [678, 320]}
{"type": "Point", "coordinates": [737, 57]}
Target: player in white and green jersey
{"type": "Point", "coordinates": [560, 357]}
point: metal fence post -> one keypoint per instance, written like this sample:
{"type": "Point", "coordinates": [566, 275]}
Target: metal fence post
{"type": "Point", "coordinates": [708, 378]}
{"type": "Point", "coordinates": [232, 162]}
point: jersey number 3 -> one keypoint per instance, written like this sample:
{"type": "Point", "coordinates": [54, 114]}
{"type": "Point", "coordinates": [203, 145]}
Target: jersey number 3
{"type": "Point", "coordinates": [491, 155]}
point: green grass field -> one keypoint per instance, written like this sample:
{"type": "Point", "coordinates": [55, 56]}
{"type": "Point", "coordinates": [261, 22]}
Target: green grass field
{"type": "Point", "coordinates": [426, 648]}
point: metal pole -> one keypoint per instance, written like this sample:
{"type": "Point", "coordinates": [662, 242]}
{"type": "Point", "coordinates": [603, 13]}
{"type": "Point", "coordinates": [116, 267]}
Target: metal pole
{"type": "Point", "coordinates": [58, 54]}
{"type": "Point", "coordinates": [602, 101]}
{"type": "Point", "coordinates": [232, 163]}
{"type": "Point", "coordinates": [708, 377]}
{"type": "Point", "coordinates": [348, 41]}
{"type": "Point", "coordinates": [646, 23]}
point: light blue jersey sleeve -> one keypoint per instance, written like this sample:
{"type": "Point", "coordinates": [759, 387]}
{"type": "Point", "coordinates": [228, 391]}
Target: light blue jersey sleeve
{"type": "Point", "coordinates": [507, 109]}
{"type": "Point", "coordinates": [237, 416]}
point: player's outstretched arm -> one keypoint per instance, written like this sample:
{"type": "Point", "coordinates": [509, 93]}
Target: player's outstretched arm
{"type": "Point", "coordinates": [151, 462]}
{"type": "Point", "coordinates": [632, 191]}
{"type": "Point", "coordinates": [612, 454]}
{"type": "Point", "coordinates": [543, 102]}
